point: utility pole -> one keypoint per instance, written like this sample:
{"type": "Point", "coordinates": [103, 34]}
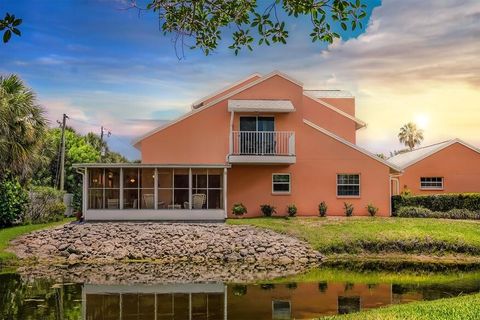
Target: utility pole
{"type": "Point", "coordinates": [62, 154]}
{"type": "Point", "coordinates": [102, 131]}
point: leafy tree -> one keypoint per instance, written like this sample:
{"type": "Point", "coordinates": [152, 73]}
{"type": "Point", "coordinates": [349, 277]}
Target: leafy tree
{"type": "Point", "coordinates": [205, 20]}
{"type": "Point", "coordinates": [10, 25]}
{"type": "Point", "coordinates": [410, 135]}
{"type": "Point", "coordinates": [78, 149]}
{"type": "Point", "coordinates": [22, 128]}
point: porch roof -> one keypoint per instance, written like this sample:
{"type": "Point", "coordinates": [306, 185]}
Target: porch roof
{"type": "Point", "coordinates": [260, 106]}
{"type": "Point", "coordinates": [148, 165]}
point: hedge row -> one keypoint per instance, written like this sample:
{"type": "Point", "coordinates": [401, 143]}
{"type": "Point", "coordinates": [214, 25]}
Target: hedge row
{"type": "Point", "coordinates": [420, 212]}
{"type": "Point", "coordinates": [439, 202]}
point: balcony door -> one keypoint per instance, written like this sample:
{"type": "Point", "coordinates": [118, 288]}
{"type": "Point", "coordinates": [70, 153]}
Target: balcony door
{"type": "Point", "coordinates": [257, 135]}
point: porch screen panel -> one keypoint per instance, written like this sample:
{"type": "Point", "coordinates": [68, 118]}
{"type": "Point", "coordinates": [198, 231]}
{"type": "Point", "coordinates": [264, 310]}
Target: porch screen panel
{"type": "Point", "coordinates": [147, 191]}
{"type": "Point", "coordinates": [130, 188]}
{"type": "Point", "coordinates": [95, 188]}
{"type": "Point", "coordinates": [112, 188]}
{"type": "Point", "coordinates": [180, 188]}
{"type": "Point", "coordinates": [209, 183]}
{"type": "Point", "coordinates": [104, 188]}
{"type": "Point", "coordinates": [165, 188]}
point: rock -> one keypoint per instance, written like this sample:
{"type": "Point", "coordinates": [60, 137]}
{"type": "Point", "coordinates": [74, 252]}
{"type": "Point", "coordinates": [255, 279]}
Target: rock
{"type": "Point", "coordinates": [249, 247]}
{"type": "Point", "coordinates": [285, 261]}
{"type": "Point", "coordinates": [48, 248]}
{"type": "Point", "coordinates": [73, 258]}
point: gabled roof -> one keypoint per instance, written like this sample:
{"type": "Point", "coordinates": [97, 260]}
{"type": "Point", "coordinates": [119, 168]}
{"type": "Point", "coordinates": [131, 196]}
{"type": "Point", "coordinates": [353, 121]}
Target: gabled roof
{"type": "Point", "coordinates": [406, 159]}
{"type": "Point", "coordinates": [198, 103]}
{"type": "Point", "coordinates": [359, 123]}
{"type": "Point", "coordinates": [214, 102]}
{"type": "Point", "coordinates": [351, 145]}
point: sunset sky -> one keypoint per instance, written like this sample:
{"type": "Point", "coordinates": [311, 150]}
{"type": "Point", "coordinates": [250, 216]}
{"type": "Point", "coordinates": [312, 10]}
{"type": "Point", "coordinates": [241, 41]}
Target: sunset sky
{"type": "Point", "coordinates": [103, 65]}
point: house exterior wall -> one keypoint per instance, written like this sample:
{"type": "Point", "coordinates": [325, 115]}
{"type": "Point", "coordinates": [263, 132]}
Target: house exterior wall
{"type": "Point", "coordinates": [457, 164]}
{"type": "Point", "coordinates": [203, 138]}
{"type": "Point", "coordinates": [313, 179]}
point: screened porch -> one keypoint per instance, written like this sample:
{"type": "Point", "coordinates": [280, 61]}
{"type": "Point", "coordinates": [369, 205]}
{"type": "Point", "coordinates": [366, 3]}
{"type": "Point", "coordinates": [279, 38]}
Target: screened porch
{"type": "Point", "coordinates": [153, 192]}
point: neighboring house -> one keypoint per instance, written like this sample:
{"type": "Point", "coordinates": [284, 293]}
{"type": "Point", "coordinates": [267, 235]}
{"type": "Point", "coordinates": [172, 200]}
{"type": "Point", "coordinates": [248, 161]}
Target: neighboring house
{"type": "Point", "coordinates": [264, 140]}
{"type": "Point", "coordinates": [451, 166]}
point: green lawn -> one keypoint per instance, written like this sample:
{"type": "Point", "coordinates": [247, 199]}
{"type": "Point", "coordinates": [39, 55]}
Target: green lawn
{"type": "Point", "coordinates": [379, 235]}
{"type": "Point", "coordinates": [459, 308]}
{"type": "Point", "coordinates": [8, 234]}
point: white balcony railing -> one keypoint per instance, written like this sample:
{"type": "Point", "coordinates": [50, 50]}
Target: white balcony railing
{"type": "Point", "coordinates": [267, 143]}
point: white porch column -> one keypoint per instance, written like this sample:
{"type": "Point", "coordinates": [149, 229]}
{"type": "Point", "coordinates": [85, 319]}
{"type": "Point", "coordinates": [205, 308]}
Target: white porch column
{"type": "Point", "coordinates": [190, 187]}
{"type": "Point", "coordinates": [155, 193]}
{"type": "Point", "coordinates": [231, 132]}
{"type": "Point", "coordinates": [121, 189]}
{"type": "Point", "coordinates": [85, 194]}
{"type": "Point", "coordinates": [225, 191]}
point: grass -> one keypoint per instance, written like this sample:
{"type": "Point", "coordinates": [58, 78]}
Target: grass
{"type": "Point", "coordinates": [459, 308]}
{"type": "Point", "coordinates": [8, 234]}
{"type": "Point", "coordinates": [413, 236]}
{"type": "Point", "coordinates": [368, 277]}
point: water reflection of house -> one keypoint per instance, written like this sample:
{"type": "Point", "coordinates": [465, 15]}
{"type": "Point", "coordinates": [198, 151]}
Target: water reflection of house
{"type": "Point", "coordinates": [159, 302]}
{"type": "Point", "coordinates": [218, 301]}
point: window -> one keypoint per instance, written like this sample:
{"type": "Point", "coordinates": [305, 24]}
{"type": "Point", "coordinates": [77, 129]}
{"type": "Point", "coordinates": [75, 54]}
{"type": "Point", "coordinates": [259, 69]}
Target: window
{"type": "Point", "coordinates": [281, 309]}
{"type": "Point", "coordinates": [348, 305]}
{"type": "Point", "coordinates": [281, 183]}
{"type": "Point", "coordinates": [431, 183]}
{"type": "Point", "coordinates": [348, 185]}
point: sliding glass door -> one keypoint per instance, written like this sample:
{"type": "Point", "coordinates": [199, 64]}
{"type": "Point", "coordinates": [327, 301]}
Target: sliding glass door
{"type": "Point", "coordinates": [257, 135]}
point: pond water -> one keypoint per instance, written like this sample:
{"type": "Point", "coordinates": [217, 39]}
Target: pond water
{"type": "Point", "coordinates": [328, 292]}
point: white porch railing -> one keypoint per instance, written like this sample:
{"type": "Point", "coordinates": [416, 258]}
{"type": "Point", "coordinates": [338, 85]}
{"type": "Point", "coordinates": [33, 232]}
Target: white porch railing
{"type": "Point", "coordinates": [269, 143]}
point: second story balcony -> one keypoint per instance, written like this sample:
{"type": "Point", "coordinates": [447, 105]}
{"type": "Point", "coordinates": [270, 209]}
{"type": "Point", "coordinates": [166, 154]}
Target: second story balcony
{"type": "Point", "coordinates": [262, 147]}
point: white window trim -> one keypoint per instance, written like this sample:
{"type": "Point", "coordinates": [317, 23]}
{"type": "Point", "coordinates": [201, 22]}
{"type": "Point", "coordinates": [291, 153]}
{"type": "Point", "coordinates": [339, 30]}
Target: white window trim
{"type": "Point", "coordinates": [433, 188]}
{"type": "Point", "coordinates": [289, 183]}
{"type": "Point", "coordinates": [359, 185]}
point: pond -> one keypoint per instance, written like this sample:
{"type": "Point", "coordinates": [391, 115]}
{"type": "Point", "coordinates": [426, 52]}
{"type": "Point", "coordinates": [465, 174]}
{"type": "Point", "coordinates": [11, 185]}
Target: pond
{"type": "Point", "coordinates": [317, 293]}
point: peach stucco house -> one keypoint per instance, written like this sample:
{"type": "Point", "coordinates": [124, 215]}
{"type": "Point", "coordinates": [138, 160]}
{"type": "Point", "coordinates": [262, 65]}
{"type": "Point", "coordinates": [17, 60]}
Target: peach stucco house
{"type": "Point", "coordinates": [263, 140]}
{"type": "Point", "coordinates": [451, 166]}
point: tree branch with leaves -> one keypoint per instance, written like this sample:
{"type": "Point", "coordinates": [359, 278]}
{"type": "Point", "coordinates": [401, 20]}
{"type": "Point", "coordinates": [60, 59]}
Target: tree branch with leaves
{"type": "Point", "coordinates": [10, 24]}
{"type": "Point", "coordinates": [204, 21]}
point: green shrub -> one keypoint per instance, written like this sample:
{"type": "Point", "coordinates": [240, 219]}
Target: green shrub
{"type": "Point", "coordinates": [348, 209]}
{"type": "Point", "coordinates": [372, 210]}
{"type": "Point", "coordinates": [239, 209]}
{"type": "Point", "coordinates": [440, 202]}
{"type": "Point", "coordinates": [322, 209]}
{"type": "Point", "coordinates": [414, 212]}
{"type": "Point", "coordinates": [420, 212]}
{"type": "Point", "coordinates": [45, 205]}
{"type": "Point", "coordinates": [267, 210]}
{"type": "Point", "coordinates": [13, 201]}
{"type": "Point", "coordinates": [292, 210]}
{"type": "Point", "coordinates": [463, 214]}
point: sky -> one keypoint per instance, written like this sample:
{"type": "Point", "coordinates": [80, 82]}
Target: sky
{"type": "Point", "coordinates": [105, 65]}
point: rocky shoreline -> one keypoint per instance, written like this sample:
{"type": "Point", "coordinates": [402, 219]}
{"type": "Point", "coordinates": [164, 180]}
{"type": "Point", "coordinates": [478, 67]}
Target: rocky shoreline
{"type": "Point", "coordinates": [167, 243]}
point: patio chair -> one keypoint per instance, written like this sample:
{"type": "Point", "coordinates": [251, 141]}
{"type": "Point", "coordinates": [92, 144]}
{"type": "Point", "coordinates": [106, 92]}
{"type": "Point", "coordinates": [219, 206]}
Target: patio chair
{"type": "Point", "coordinates": [148, 201]}
{"type": "Point", "coordinates": [198, 200]}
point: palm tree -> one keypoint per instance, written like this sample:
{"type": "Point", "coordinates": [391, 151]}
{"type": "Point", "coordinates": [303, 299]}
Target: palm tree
{"type": "Point", "coordinates": [22, 127]}
{"type": "Point", "coordinates": [410, 135]}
